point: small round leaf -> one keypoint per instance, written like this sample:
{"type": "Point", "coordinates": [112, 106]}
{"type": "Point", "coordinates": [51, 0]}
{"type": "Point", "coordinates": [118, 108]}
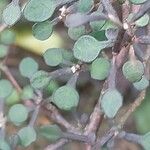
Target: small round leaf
{"type": "Point", "coordinates": [137, 1]}
{"type": "Point", "coordinates": [7, 37]}
{"type": "Point", "coordinates": [85, 5]}
{"type": "Point", "coordinates": [111, 102]}
{"type": "Point", "coordinates": [3, 50]}
{"type": "Point", "coordinates": [142, 84]}
{"type": "Point", "coordinates": [42, 30]}
{"type": "Point", "coordinates": [11, 14]}
{"type": "Point", "coordinates": [143, 21]}
{"type": "Point", "coordinates": [27, 136]}
{"type": "Point", "coordinates": [13, 98]}
{"type": "Point", "coordinates": [76, 32]}
{"type": "Point", "coordinates": [28, 67]}
{"type": "Point", "coordinates": [18, 114]}
{"type": "Point", "coordinates": [86, 48]}
{"type": "Point", "coordinates": [27, 93]}
{"type": "Point", "coordinates": [53, 56]}
{"type": "Point", "coordinates": [66, 98]}
{"type": "Point", "coordinates": [38, 11]}
{"type": "Point", "coordinates": [100, 69]}
{"type": "Point", "coordinates": [145, 141]}
{"type": "Point", "coordinates": [40, 80]}
{"type": "Point", "coordinates": [4, 145]}
{"type": "Point", "coordinates": [133, 70]}
{"type": "Point", "coordinates": [5, 88]}
{"type": "Point", "coordinates": [51, 132]}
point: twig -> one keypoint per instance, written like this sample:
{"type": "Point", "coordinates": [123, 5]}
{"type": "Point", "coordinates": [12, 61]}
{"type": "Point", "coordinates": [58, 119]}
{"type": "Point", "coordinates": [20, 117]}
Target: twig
{"type": "Point", "coordinates": [132, 108]}
{"type": "Point", "coordinates": [57, 145]}
{"type": "Point", "coordinates": [11, 78]}
{"type": "Point", "coordinates": [2, 27]}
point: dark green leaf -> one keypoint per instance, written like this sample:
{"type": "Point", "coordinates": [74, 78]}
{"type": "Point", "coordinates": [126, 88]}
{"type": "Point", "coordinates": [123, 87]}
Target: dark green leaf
{"type": "Point", "coordinates": [51, 132]}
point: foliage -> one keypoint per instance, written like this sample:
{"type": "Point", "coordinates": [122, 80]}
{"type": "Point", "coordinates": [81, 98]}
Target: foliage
{"type": "Point", "coordinates": [110, 49]}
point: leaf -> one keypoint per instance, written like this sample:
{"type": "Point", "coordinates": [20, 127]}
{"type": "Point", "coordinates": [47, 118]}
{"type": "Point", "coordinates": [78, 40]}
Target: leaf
{"type": "Point", "coordinates": [27, 93]}
{"type": "Point", "coordinates": [38, 11]}
{"type": "Point", "coordinates": [40, 80]}
{"type": "Point", "coordinates": [76, 32]}
{"type": "Point", "coordinates": [4, 145]}
{"type": "Point", "coordinates": [111, 102]}
{"type": "Point", "coordinates": [27, 136]}
{"type": "Point", "coordinates": [52, 87]}
{"type": "Point", "coordinates": [133, 70]}
{"type": "Point", "coordinates": [145, 141]}
{"type": "Point", "coordinates": [11, 14]}
{"type": "Point", "coordinates": [5, 88]}
{"type": "Point", "coordinates": [88, 48]}
{"type": "Point", "coordinates": [7, 37]}
{"type": "Point", "coordinates": [51, 132]}
{"type": "Point", "coordinates": [142, 84]}
{"type": "Point", "coordinates": [66, 98]}
{"type": "Point", "coordinates": [18, 113]}
{"type": "Point", "coordinates": [28, 67]}
{"type": "Point", "coordinates": [13, 98]}
{"type": "Point", "coordinates": [84, 5]}
{"type": "Point", "coordinates": [143, 21]}
{"type": "Point", "coordinates": [53, 56]}
{"type": "Point", "coordinates": [137, 1]}
{"type": "Point", "coordinates": [3, 50]}
{"type": "Point", "coordinates": [100, 68]}
{"type": "Point", "coordinates": [42, 30]}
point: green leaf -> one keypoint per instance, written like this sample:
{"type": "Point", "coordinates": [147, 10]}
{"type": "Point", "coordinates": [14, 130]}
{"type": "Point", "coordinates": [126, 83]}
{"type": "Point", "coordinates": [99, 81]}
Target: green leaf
{"type": "Point", "coordinates": [143, 21]}
{"type": "Point", "coordinates": [97, 25]}
{"type": "Point", "coordinates": [7, 37]}
{"type": "Point", "coordinates": [53, 86]}
{"type": "Point", "coordinates": [137, 1]}
{"type": "Point", "coordinates": [88, 48]}
{"type": "Point", "coordinates": [76, 32]}
{"type": "Point", "coordinates": [67, 55]}
{"type": "Point", "coordinates": [51, 132]}
{"type": "Point", "coordinates": [27, 136]}
{"type": "Point", "coordinates": [142, 84]}
{"type": "Point", "coordinates": [111, 102]}
{"type": "Point", "coordinates": [27, 93]}
{"type": "Point", "coordinates": [5, 88]}
{"type": "Point", "coordinates": [66, 98]}
{"type": "Point", "coordinates": [18, 113]}
{"type": "Point", "coordinates": [85, 5]}
{"type": "Point", "coordinates": [145, 141]}
{"type": "Point", "coordinates": [11, 14]}
{"type": "Point", "coordinates": [100, 69]}
{"type": "Point", "coordinates": [3, 50]}
{"type": "Point", "coordinates": [13, 98]}
{"type": "Point", "coordinates": [4, 145]}
{"type": "Point", "coordinates": [133, 70]}
{"type": "Point", "coordinates": [53, 56]}
{"type": "Point", "coordinates": [40, 80]}
{"type": "Point", "coordinates": [42, 30]}
{"type": "Point", "coordinates": [28, 67]}
{"type": "Point", "coordinates": [38, 11]}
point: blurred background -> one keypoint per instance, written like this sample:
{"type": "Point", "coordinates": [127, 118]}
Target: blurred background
{"type": "Point", "coordinates": [26, 45]}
